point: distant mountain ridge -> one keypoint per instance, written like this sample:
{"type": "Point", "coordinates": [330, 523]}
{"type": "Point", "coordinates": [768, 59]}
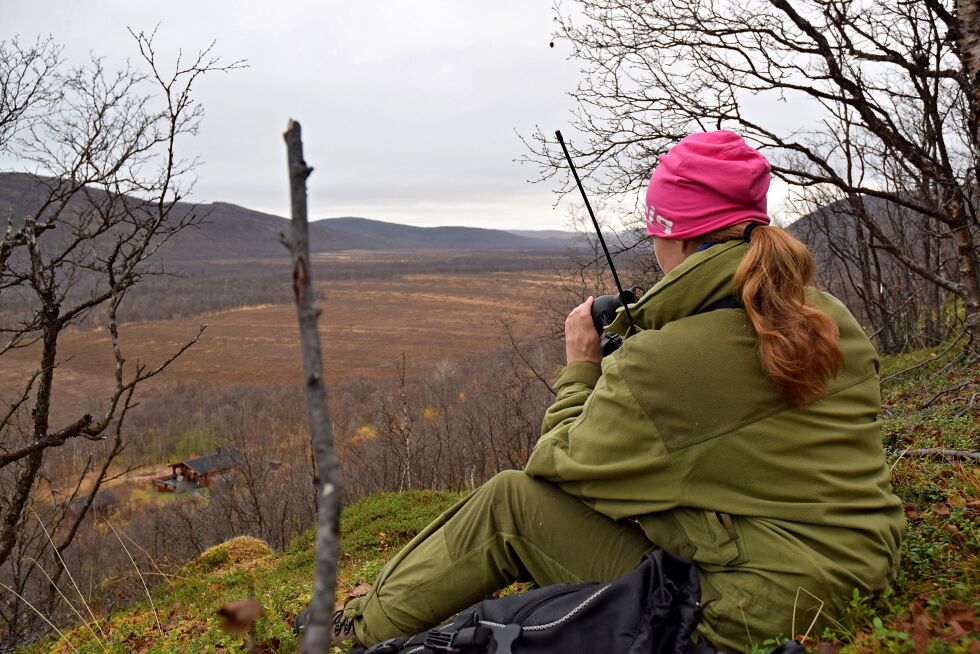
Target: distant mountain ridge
{"type": "Point", "coordinates": [390, 236]}
{"type": "Point", "coordinates": [557, 234]}
{"type": "Point", "coordinates": [229, 231]}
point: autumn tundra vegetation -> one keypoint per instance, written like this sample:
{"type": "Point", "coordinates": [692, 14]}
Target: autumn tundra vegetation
{"type": "Point", "coordinates": [99, 251]}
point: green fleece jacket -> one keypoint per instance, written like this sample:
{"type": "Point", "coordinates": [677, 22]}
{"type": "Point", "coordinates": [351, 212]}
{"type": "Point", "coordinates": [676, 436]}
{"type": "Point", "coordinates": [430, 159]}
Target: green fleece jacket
{"type": "Point", "coordinates": [785, 510]}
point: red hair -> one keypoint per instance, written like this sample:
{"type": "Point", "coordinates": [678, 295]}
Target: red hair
{"type": "Point", "coordinates": [797, 341]}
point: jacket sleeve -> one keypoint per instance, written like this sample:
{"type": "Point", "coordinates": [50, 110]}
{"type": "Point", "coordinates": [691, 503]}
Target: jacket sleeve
{"type": "Point", "coordinates": [596, 432]}
{"type": "Point", "coordinates": [574, 385]}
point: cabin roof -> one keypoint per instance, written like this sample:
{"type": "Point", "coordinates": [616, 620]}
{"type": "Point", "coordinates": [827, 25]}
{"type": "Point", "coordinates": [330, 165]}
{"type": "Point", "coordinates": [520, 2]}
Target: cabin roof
{"type": "Point", "coordinates": [223, 459]}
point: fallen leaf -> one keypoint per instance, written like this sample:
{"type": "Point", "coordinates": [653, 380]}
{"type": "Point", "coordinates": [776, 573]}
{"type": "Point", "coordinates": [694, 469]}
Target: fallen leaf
{"type": "Point", "coordinates": [957, 630]}
{"type": "Point", "coordinates": [919, 626]}
{"type": "Point", "coordinates": [951, 530]}
{"type": "Point", "coordinates": [238, 617]}
{"type": "Point", "coordinates": [962, 619]}
{"type": "Point", "coordinates": [940, 508]}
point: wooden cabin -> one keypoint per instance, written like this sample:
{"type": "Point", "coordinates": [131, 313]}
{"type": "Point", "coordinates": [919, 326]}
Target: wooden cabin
{"type": "Point", "coordinates": [200, 472]}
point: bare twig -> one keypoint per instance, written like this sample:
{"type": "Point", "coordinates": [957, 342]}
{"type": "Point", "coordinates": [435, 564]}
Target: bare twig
{"type": "Point", "coordinates": [945, 391]}
{"type": "Point", "coordinates": [527, 362]}
{"type": "Point", "coordinates": [146, 589]}
{"type": "Point", "coordinates": [931, 359]}
{"type": "Point", "coordinates": [945, 454]}
{"type": "Point", "coordinates": [64, 566]}
{"type": "Point", "coordinates": [969, 405]}
{"type": "Point", "coordinates": [329, 486]}
{"type": "Point", "coordinates": [23, 599]}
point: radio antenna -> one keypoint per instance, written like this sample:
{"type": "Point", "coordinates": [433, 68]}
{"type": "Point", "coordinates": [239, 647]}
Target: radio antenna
{"type": "Point", "coordinates": [595, 223]}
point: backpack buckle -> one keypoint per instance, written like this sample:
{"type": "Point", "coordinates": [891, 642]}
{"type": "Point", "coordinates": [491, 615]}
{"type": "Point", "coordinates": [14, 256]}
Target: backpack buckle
{"type": "Point", "coordinates": [504, 638]}
{"type": "Point", "coordinates": [440, 641]}
{"type": "Point", "coordinates": [468, 639]}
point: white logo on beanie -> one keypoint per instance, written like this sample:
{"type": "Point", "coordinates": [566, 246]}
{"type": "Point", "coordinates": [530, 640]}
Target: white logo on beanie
{"type": "Point", "coordinates": [653, 218]}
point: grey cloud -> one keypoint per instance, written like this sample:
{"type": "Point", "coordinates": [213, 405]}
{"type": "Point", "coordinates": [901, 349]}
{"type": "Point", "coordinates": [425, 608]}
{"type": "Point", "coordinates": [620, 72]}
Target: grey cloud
{"type": "Point", "coordinates": [408, 108]}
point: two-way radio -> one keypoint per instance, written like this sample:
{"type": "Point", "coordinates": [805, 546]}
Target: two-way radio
{"type": "Point", "coordinates": [625, 297]}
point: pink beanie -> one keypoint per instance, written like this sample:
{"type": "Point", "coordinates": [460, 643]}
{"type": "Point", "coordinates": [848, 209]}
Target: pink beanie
{"type": "Point", "coordinates": [706, 182]}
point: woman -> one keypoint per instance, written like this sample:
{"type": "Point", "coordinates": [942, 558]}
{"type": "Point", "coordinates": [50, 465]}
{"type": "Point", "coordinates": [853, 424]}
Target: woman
{"type": "Point", "coordinates": [745, 439]}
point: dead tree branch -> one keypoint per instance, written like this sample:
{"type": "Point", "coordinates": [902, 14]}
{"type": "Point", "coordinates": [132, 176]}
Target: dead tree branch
{"type": "Point", "coordinates": [883, 111]}
{"type": "Point", "coordinates": [329, 486]}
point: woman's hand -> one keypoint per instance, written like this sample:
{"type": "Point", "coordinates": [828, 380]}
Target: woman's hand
{"type": "Point", "coordinates": [581, 338]}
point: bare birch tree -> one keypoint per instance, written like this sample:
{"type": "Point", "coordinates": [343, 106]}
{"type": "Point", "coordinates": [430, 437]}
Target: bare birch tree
{"type": "Point", "coordinates": [102, 147]}
{"type": "Point", "coordinates": [859, 99]}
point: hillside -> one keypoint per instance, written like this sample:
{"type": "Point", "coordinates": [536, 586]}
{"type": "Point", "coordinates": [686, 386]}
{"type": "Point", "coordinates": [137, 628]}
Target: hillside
{"type": "Point", "coordinates": [389, 236]}
{"type": "Point", "coordinates": [228, 231]}
{"type": "Point", "coordinates": [933, 607]}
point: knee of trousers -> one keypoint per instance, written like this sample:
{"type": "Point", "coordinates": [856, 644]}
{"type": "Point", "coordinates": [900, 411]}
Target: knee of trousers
{"type": "Point", "coordinates": [508, 485]}
{"type": "Point", "coordinates": [509, 494]}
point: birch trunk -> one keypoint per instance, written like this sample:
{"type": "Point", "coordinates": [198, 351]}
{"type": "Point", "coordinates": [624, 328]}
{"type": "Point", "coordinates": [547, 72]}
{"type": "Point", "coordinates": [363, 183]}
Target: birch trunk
{"type": "Point", "coordinates": [967, 33]}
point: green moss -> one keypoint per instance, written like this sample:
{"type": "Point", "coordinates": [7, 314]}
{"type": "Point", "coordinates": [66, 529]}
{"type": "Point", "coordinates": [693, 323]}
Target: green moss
{"type": "Point", "coordinates": [187, 607]}
{"type": "Point", "coordinates": [237, 551]}
{"type": "Point", "coordinates": [928, 407]}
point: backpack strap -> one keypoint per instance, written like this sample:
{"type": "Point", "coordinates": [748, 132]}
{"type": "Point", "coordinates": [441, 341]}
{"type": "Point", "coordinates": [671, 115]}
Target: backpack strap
{"type": "Point", "coordinates": [724, 303]}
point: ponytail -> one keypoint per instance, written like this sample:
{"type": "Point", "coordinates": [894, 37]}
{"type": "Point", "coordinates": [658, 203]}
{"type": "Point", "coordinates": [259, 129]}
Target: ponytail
{"type": "Point", "coordinates": [797, 341]}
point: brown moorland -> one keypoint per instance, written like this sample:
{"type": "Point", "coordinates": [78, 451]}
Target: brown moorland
{"type": "Point", "coordinates": [366, 327]}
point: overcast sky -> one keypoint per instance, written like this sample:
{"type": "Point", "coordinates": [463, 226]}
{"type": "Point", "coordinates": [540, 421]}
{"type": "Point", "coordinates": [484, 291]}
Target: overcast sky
{"type": "Point", "coordinates": [409, 109]}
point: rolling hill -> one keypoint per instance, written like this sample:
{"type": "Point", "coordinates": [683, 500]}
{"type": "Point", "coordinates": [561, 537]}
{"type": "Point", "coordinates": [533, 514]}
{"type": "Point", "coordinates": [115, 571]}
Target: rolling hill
{"type": "Point", "coordinates": [229, 231]}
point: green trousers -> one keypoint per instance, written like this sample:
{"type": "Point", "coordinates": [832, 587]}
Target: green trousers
{"type": "Point", "coordinates": [513, 528]}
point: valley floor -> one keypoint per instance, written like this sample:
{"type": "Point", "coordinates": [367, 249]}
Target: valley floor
{"type": "Point", "coordinates": [367, 326]}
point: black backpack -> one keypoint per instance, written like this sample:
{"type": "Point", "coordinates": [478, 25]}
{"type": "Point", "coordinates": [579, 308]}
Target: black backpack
{"type": "Point", "coordinates": [651, 610]}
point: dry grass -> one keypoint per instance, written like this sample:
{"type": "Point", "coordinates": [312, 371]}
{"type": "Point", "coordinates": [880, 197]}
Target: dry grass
{"type": "Point", "coordinates": [366, 327]}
